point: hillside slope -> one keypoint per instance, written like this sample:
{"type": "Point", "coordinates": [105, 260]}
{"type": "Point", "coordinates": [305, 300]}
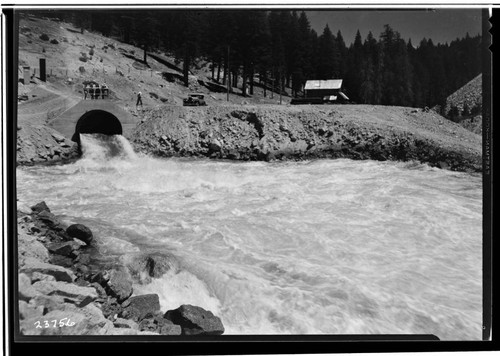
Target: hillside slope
{"type": "Point", "coordinates": [470, 99]}
{"type": "Point", "coordinates": [252, 127]}
{"type": "Point", "coordinates": [471, 94]}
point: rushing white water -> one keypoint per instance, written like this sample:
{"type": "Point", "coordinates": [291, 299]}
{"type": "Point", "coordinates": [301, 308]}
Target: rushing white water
{"type": "Point", "coordinates": [318, 247]}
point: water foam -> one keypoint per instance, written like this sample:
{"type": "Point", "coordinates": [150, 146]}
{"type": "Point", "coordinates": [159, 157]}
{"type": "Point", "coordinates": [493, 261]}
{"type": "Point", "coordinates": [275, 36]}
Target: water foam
{"type": "Point", "coordinates": [328, 246]}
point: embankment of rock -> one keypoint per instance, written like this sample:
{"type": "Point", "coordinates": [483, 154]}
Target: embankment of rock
{"type": "Point", "coordinates": [62, 291]}
{"type": "Point", "coordinates": [38, 144]}
{"type": "Point", "coordinates": [308, 132]}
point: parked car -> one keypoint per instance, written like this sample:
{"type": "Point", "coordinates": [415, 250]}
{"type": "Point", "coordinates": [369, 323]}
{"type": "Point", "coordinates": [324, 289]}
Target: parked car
{"type": "Point", "coordinates": [194, 100]}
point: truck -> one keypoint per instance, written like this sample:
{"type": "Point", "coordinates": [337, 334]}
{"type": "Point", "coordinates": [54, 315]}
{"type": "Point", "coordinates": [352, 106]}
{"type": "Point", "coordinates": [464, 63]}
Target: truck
{"type": "Point", "coordinates": [194, 99]}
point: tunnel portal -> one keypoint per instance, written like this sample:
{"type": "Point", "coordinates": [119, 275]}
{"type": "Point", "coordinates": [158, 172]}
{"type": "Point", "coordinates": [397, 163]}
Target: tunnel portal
{"type": "Point", "coordinates": [97, 121]}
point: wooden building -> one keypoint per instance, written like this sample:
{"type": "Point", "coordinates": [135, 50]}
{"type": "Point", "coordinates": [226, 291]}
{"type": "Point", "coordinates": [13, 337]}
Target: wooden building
{"type": "Point", "coordinates": [328, 90]}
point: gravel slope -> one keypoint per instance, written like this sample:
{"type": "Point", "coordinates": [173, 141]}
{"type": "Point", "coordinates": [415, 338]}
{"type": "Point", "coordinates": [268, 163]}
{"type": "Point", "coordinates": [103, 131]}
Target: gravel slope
{"type": "Point", "coordinates": [306, 132]}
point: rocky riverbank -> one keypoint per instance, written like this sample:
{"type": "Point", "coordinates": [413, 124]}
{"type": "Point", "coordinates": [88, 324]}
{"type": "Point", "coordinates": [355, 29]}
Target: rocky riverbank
{"type": "Point", "coordinates": [308, 132]}
{"type": "Point", "coordinates": [39, 144]}
{"type": "Point", "coordinates": [64, 291]}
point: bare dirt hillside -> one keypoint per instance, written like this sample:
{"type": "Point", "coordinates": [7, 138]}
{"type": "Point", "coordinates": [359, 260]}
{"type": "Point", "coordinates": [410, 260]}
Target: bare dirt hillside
{"type": "Point", "coordinates": [469, 96]}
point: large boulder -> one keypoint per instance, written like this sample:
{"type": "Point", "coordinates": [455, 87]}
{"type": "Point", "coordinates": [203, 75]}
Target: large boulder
{"type": "Point", "coordinates": [70, 293]}
{"type": "Point", "coordinates": [118, 284]}
{"type": "Point", "coordinates": [70, 320]}
{"type": "Point", "coordinates": [49, 303]}
{"type": "Point", "coordinates": [49, 219]}
{"type": "Point", "coordinates": [59, 273]}
{"type": "Point", "coordinates": [61, 261]}
{"type": "Point", "coordinates": [80, 232]}
{"type": "Point", "coordinates": [29, 310]}
{"type": "Point", "coordinates": [42, 206]}
{"type": "Point", "coordinates": [143, 267]}
{"type": "Point", "coordinates": [66, 248]}
{"type": "Point", "coordinates": [28, 246]}
{"type": "Point", "coordinates": [136, 308]}
{"type": "Point", "coordinates": [26, 290]}
{"type": "Point", "coordinates": [195, 320]}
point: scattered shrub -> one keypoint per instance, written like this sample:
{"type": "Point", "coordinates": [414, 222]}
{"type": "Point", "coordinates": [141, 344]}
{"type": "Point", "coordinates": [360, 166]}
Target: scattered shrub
{"type": "Point", "coordinates": [30, 41]}
{"type": "Point", "coordinates": [81, 69]}
{"type": "Point", "coordinates": [43, 49]}
{"type": "Point", "coordinates": [44, 37]}
{"type": "Point", "coordinates": [54, 41]}
{"type": "Point", "coordinates": [105, 47]}
{"type": "Point", "coordinates": [83, 59]}
{"type": "Point", "coordinates": [466, 110]}
{"type": "Point", "coordinates": [476, 109]}
{"type": "Point", "coordinates": [453, 113]}
{"type": "Point", "coordinates": [91, 52]}
{"type": "Point", "coordinates": [111, 46]}
{"type": "Point", "coordinates": [153, 95]}
{"type": "Point", "coordinates": [100, 60]}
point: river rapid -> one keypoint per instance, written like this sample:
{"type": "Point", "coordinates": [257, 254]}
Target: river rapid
{"type": "Point", "coordinates": [312, 247]}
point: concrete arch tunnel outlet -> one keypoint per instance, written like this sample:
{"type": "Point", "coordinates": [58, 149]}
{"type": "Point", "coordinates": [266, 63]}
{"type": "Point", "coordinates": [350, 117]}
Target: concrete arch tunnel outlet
{"type": "Point", "coordinates": [93, 116]}
{"type": "Point", "coordinates": [97, 121]}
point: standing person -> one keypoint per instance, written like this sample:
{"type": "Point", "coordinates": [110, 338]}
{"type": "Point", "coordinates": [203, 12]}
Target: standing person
{"type": "Point", "coordinates": [104, 90]}
{"type": "Point", "coordinates": [139, 99]}
{"type": "Point", "coordinates": [91, 90]}
{"type": "Point", "coordinates": [86, 91]}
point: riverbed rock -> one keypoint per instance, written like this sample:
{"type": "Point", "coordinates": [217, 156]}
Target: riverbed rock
{"type": "Point", "coordinates": [37, 276]}
{"type": "Point", "coordinates": [29, 310]}
{"type": "Point", "coordinates": [42, 206]}
{"type": "Point", "coordinates": [26, 290]}
{"type": "Point", "coordinates": [195, 320]}
{"type": "Point", "coordinates": [143, 267]}
{"type": "Point", "coordinates": [125, 323]}
{"type": "Point", "coordinates": [62, 261]}
{"type": "Point", "coordinates": [136, 308]}
{"type": "Point", "coordinates": [29, 247]}
{"type": "Point", "coordinates": [66, 248]}
{"type": "Point", "coordinates": [80, 232]}
{"type": "Point", "coordinates": [48, 302]}
{"type": "Point", "coordinates": [49, 219]}
{"type": "Point", "coordinates": [156, 323]}
{"type": "Point", "coordinates": [59, 273]}
{"type": "Point", "coordinates": [119, 284]}
{"type": "Point", "coordinates": [70, 293]}
{"type": "Point", "coordinates": [87, 320]}
{"type": "Point", "coordinates": [111, 308]}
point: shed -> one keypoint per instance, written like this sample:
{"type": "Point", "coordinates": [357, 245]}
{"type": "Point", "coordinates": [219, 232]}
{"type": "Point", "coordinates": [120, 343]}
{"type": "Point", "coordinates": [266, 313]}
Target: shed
{"type": "Point", "coordinates": [329, 89]}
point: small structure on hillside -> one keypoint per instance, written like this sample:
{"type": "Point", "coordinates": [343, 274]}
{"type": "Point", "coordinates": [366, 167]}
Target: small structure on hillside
{"type": "Point", "coordinates": [322, 92]}
{"type": "Point", "coordinates": [324, 88]}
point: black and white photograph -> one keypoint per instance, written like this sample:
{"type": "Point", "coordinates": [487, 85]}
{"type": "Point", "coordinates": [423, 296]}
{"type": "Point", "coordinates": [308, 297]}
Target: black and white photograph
{"type": "Point", "coordinates": [213, 171]}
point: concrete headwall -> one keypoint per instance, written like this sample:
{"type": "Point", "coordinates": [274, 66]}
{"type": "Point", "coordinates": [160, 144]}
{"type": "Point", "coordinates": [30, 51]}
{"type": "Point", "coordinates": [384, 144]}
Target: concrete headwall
{"type": "Point", "coordinates": [66, 122]}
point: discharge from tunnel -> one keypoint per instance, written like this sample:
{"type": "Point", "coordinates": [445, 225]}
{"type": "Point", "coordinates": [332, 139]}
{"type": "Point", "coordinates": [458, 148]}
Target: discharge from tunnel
{"type": "Point", "coordinates": [97, 121]}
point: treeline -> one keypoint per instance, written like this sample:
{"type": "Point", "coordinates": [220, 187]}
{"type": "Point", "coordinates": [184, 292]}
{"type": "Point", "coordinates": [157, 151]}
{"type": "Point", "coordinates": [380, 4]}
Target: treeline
{"type": "Point", "coordinates": [284, 51]}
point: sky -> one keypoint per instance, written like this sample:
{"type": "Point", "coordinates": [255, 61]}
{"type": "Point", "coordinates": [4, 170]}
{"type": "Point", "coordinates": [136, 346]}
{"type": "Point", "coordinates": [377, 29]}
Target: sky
{"type": "Point", "coordinates": [440, 25]}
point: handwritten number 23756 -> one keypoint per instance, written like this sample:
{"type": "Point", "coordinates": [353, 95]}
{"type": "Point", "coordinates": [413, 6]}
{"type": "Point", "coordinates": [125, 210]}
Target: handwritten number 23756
{"type": "Point", "coordinates": [54, 323]}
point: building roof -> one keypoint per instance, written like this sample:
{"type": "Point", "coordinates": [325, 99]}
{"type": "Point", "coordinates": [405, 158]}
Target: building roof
{"type": "Point", "coordinates": [323, 84]}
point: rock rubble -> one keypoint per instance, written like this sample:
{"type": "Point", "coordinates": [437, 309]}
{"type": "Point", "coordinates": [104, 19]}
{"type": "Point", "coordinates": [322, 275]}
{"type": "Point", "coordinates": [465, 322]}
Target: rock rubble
{"type": "Point", "coordinates": [63, 292]}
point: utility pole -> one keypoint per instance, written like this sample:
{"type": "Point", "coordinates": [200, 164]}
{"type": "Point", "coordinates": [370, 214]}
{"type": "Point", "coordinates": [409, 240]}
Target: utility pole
{"type": "Point", "coordinates": [228, 73]}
